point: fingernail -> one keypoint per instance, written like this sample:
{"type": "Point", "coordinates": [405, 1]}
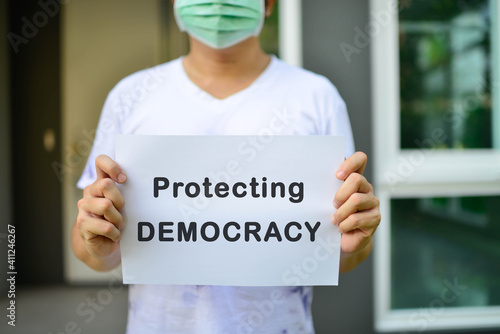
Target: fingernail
{"type": "Point", "coordinates": [339, 230]}
{"type": "Point", "coordinates": [334, 221]}
{"type": "Point", "coordinates": [341, 175]}
{"type": "Point", "coordinates": [336, 205]}
{"type": "Point", "coordinates": [121, 177]}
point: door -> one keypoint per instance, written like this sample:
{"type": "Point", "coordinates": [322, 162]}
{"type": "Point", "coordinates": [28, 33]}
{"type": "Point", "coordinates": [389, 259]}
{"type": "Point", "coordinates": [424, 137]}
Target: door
{"type": "Point", "coordinates": [35, 132]}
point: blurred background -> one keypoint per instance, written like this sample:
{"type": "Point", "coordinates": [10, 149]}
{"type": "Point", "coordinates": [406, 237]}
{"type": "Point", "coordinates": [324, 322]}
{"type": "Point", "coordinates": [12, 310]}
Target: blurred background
{"type": "Point", "coordinates": [421, 82]}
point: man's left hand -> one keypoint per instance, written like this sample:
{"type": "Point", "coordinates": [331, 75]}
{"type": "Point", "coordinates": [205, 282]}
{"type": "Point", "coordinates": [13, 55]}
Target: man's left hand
{"type": "Point", "coordinates": [357, 215]}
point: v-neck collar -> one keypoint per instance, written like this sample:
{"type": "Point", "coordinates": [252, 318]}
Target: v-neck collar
{"type": "Point", "coordinates": [195, 91]}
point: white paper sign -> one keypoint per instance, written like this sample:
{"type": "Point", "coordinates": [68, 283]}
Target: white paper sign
{"type": "Point", "coordinates": [230, 210]}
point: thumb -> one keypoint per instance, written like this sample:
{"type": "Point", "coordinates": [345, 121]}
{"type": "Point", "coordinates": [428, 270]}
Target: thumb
{"type": "Point", "coordinates": [107, 168]}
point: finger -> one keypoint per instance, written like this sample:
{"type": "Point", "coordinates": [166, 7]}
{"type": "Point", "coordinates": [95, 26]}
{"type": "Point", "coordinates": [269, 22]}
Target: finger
{"type": "Point", "coordinates": [366, 221]}
{"type": "Point", "coordinates": [106, 188]}
{"type": "Point", "coordinates": [91, 227]}
{"type": "Point", "coordinates": [108, 168]}
{"type": "Point", "coordinates": [356, 203]}
{"type": "Point", "coordinates": [355, 164]}
{"type": "Point", "coordinates": [101, 207]}
{"type": "Point", "coordinates": [353, 184]}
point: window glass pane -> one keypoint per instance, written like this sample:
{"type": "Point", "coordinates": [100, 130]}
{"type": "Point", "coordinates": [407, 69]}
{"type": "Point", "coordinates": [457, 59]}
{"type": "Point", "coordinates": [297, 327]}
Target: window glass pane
{"type": "Point", "coordinates": [445, 252]}
{"type": "Point", "coordinates": [446, 62]}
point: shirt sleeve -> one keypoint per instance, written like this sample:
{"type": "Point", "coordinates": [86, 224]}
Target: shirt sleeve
{"type": "Point", "coordinates": [104, 140]}
{"type": "Point", "coordinates": [336, 118]}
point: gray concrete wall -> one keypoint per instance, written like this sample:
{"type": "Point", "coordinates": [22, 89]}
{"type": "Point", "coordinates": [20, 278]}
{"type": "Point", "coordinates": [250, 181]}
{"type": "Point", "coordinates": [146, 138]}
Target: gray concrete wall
{"type": "Point", "coordinates": [347, 308]}
{"type": "Point", "coordinates": [5, 203]}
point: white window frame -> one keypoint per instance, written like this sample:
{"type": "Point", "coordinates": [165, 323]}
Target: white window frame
{"type": "Point", "coordinates": [290, 32]}
{"type": "Point", "coordinates": [420, 173]}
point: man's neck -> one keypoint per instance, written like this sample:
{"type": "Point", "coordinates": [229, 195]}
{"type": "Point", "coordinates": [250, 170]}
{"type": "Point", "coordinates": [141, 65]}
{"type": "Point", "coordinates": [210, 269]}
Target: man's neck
{"type": "Point", "coordinates": [242, 60]}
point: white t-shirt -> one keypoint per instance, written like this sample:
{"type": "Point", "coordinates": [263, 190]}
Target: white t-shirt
{"type": "Point", "coordinates": [162, 100]}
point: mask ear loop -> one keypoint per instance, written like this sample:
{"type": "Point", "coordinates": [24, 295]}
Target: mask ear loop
{"type": "Point", "coordinates": [180, 24]}
{"type": "Point", "coordinates": [262, 17]}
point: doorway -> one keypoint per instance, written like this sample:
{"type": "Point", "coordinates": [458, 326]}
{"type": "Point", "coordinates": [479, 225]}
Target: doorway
{"type": "Point", "coordinates": [34, 44]}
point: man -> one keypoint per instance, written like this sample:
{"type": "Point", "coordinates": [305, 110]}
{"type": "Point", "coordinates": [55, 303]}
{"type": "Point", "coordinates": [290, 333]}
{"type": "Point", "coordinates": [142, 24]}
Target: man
{"type": "Point", "coordinates": [225, 85]}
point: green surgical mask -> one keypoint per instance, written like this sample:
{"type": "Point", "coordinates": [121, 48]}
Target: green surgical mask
{"type": "Point", "coordinates": [220, 23]}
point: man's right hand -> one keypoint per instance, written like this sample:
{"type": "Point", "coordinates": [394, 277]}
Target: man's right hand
{"type": "Point", "coordinates": [99, 222]}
